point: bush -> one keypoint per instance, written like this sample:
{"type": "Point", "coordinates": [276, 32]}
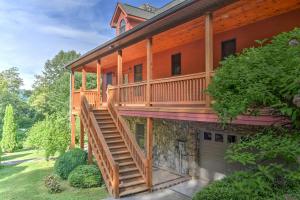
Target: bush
{"type": "Point", "coordinates": [67, 162]}
{"type": "Point", "coordinates": [265, 76]}
{"type": "Point", "coordinates": [85, 176]}
{"type": "Point", "coordinates": [9, 138]}
{"type": "Point", "coordinates": [238, 186]}
{"type": "Point", "coordinates": [51, 135]}
{"type": "Point", "coordinates": [52, 184]}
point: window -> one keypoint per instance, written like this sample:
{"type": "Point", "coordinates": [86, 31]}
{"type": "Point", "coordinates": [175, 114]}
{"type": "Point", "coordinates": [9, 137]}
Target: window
{"type": "Point", "coordinates": [140, 134]}
{"type": "Point", "coordinates": [122, 27]}
{"type": "Point", "coordinates": [231, 139]}
{"type": "Point", "coordinates": [109, 78]}
{"type": "Point", "coordinates": [207, 136]}
{"type": "Point", "coordinates": [176, 64]}
{"type": "Point", "coordinates": [219, 137]}
{"type": "Point", "coordinates": [228, 48]}
{"type": "Point", "coordinates": [138, 73]}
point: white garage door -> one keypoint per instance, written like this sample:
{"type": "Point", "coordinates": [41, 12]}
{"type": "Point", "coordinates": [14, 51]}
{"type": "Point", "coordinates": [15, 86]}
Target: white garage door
{"type": "Point", "coordinates": [212, 148]}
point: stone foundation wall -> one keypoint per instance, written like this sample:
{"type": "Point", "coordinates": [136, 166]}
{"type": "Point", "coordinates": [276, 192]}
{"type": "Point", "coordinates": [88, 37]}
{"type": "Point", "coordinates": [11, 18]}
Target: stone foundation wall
{"type": "Point", "coordinates": [175, 142]}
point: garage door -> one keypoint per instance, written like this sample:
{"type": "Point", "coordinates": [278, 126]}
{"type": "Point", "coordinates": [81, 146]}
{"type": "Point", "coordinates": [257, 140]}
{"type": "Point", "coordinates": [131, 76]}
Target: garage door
{"type": "Point", "coordinates": [212, 148]}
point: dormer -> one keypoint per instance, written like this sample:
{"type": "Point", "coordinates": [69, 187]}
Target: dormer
{"type": "Point", "coordinates": [126, 16]}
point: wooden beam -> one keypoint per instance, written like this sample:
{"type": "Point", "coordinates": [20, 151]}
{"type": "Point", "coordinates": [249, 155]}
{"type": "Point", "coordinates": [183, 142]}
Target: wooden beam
{"type": "Point", "coordinates": [90, 152]}
{"type": "Point", "coordinates": [73, 131]}
{"type": "Point", "coordinates": [120, 78]}
{"type": "Point", "coordinates": [83, 79]}
{"type": "Point", "coordinates": [149, 150]}
{"type": "Point", "coordinates": [81, 135]}
{"type": "Point", "coordinates": [149, 70]}
{"type": "Point", "coordinates": [208, 52]}
{"type": "Point", "coordinates": [99, 81]}
{"type": "Point", "coordinates": [72, 89]}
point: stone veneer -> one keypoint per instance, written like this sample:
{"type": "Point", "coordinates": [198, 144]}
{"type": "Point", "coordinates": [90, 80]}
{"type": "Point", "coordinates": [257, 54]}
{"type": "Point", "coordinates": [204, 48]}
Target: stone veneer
{"type": "Point", "coordinates": [168, 134]}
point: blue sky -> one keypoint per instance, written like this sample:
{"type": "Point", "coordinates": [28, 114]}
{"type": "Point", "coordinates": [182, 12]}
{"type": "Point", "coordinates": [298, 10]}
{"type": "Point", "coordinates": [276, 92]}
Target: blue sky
{"type": "Point", "coordinates": [33, 31]}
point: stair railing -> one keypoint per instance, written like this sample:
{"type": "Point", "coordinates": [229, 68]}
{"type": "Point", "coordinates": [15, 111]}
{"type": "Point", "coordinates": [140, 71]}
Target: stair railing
{"type": "Point", "coordinates": [106, 163]}
{"type": "Point", "coordinates": [135, 151]}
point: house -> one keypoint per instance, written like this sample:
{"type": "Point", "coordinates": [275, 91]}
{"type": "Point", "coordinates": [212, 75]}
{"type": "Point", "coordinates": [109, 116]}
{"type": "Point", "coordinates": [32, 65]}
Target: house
{"type": "Point", "coordinates": [150, 108]}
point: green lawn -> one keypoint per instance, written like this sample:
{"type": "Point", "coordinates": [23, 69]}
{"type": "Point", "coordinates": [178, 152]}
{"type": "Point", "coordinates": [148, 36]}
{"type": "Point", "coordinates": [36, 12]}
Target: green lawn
{"type": "Point", "coordinates": [25, 181]}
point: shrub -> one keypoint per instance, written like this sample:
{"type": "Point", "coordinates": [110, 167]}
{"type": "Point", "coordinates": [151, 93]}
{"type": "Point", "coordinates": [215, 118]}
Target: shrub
{"type": "Point", "coordinates": [9, 138]}
{"type": "Point", "coordinates": [51, 135]}
{"type": "Point", "coordinates": [265, 76]}
{"type": "Point", "coordinates": [52, 184]}
{"type": "Point", "coordinates": [85, 176]}
{"type": "Point", "coordinates": [238, 186]}
{"type": "Point", "coordinates": [68, 161]}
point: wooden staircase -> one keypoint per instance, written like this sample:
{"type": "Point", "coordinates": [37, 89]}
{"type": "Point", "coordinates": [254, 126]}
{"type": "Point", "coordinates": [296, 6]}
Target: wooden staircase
{"type": "Point", "coordinates": [121, 161]}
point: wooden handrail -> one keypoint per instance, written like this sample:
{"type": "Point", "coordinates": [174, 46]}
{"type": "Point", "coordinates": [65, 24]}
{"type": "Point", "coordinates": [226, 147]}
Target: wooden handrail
{"type": "Point", "coordinates": [135, 150]}
{"type": "Point", "coordinates": [179, 78]}
{"type": "Point", "coordinates": [109, 168]}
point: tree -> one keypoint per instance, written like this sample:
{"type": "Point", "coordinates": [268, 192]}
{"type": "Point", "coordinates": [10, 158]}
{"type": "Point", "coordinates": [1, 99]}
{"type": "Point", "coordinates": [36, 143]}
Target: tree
{"type": "Point", "coordinates": [9, 140]}
{"type": "Point", "coordinates": [265, 76]}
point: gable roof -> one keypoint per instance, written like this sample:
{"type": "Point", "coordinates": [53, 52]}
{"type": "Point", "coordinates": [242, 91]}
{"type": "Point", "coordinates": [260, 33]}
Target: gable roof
{"type": "Point", "coordinates": [137, 12]}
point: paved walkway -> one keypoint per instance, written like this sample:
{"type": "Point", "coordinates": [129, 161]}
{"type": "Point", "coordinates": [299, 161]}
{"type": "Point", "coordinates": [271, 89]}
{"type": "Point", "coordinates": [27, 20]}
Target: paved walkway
{"type": "Point", "coordinates": [16, 162]}
{"type": "Point", "coordinates": [183, 191]}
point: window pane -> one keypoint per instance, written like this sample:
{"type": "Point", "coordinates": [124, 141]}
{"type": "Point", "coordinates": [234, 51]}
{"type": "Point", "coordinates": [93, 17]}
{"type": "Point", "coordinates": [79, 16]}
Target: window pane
{"type": "Point", "coordinates": [109, 78]}
{"type": "Point", "coordinates": [231, 139]}
{"type": "Point", "coordinates": [176, 64]}
{"type": "Point", "coordinates": [207, 136]}
{"type": "Point", "coordinates": [138, 73]}
{"type": "Point", "coordinates": [228, 48]}
{"type": "Point", "coordinates": [140, 136]}
{"type": "Point", "coordinates": [219, 137]}
{"type": "Point", "coordinates": [122, 26]}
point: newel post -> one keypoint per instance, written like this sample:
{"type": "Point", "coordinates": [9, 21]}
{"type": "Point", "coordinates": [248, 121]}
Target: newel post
{"type": "Point", "coordinates": [208, 52]}
{"type": "Point", "coordinates": [99, 82]}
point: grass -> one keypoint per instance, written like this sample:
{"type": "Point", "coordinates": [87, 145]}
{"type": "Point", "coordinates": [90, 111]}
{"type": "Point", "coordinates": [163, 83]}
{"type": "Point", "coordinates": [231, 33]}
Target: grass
{"type": "Point", "coordinates": [25, 180]}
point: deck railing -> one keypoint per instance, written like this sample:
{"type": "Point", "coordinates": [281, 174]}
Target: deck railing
{"type": "Point", "coordinates": [105, 161]}
{"type": "Point", "coordinates": [183, 90]}
{"type": "Point", "coordinates": [92, 97]}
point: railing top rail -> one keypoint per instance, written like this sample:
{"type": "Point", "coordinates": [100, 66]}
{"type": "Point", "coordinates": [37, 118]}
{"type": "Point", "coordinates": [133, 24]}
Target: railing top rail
{"type": "Point", "coordinates": [178, 78]}
{"type": "Point", "coordinates": [133, 84]}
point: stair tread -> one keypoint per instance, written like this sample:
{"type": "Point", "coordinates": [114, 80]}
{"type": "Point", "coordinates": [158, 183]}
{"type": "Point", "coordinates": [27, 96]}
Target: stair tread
{"type": "Point", "coordinates": [122, 158]}
{"type": "Point", "coordinates": [132, 183]}
{"type": "Point", "coordinates": [126, 163]}
{"type": "Point", "coordinates": [105, 131]}
{"type": "Point", "coordinates": [114, 141]}
{"type": "Point", "coordinates": [133, 191]}
{"type": "Point", "coordinates": [128, 170]}
{"type": "Point", "coordinates": [112, 136]}
{"type": "Point", "coordinates": [117, 147]}
{"type": "Point", "coordinates": [130, 176]}
{"type": "Point", "coordinates": [119, 152]}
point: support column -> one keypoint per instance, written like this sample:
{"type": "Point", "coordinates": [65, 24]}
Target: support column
{"type": "Point", "coordinates": [81, 135]}
{"type": "Point", "coordinates": [72, 91]}
{"type": "Point", "coordinates": [90, 153]}
{"type": "Point", "coordinates": [149, 150]}
{"type": "Point", "coordinates": [73, 131]}
{"type": "Point", "coordinates": [149, 70]}
{"type": "Point", "coordinates": [83, 79]}
{"type": "Point", "coordinates": [120, 78]}
{"type": "Point", "coordinates": [208, 52]}
{"type": "Point", "coordinates": [99, 82]}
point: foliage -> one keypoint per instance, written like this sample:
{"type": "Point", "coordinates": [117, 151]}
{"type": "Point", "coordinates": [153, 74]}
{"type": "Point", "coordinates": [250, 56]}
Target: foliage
{"type": "Point", "coordinates": [85, 176]}
{"type": "Point", "coordinates": [52, 184]}
{"type": "Point", "coordinates": [51, 135]}
{"type": "Point", "coordinates": [271, 168]}
{"type": "Point", "coordinates": [67, 162]}
{"type": "Point", "coordinates": [265, 76]}
{"type": "Point", "coordinates": [52, 88]}
{"type": "Point", "coordinates": [9, 140]}
{"type": "Point", "coordinates": [10, 93]}
{"type": "Point", "coordinates": [0, 154]}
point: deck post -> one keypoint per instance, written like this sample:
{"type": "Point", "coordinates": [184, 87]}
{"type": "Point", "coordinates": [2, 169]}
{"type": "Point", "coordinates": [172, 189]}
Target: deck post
{"type": "Point", "coordinates": [149, 150]}
{"type": "Point", "coordinates": [72, 90]}
{"type": "Point", "coordinates": [119, 76]}
{"type": "Point", "coordinates": [81, 135]}
{"type": "Point", "coordinates": [149, 70]}
{"type": "Point", "coordinates": [208, 52]}
{"type": "Point", "coordinates": [73, 131]}
{"type": "Point", "coordinates": [90, 153]}
{"type": "Point", "coordinates": [99, 82]}
{"type": "Point", "coordinates": [83, 84]}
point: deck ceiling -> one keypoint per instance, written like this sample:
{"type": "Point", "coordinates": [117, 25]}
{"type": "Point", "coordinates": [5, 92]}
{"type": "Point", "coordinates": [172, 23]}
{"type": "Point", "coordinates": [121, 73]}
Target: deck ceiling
{"type": "Point", "coordinates": [236, 15]}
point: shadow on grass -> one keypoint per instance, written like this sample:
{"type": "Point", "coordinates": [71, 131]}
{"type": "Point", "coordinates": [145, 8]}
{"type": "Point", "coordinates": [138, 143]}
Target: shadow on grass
{"type": "Point", "coordinates": [14, 156]}
{"type": "Point", "coordinates": [7, 171]}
